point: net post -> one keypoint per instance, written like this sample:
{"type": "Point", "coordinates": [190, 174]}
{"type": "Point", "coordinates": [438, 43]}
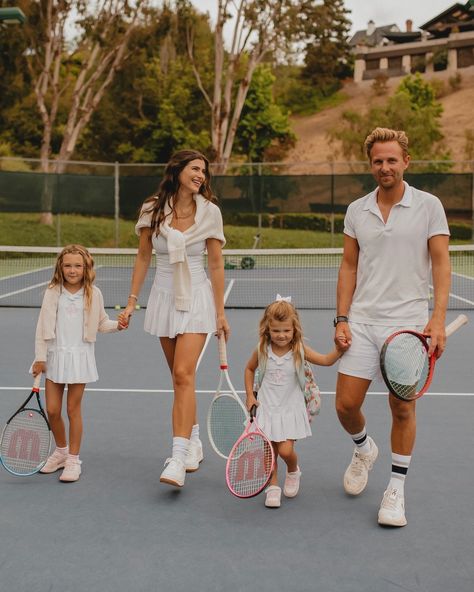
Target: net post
{"type": "Point", "coordinates": [117, 203]}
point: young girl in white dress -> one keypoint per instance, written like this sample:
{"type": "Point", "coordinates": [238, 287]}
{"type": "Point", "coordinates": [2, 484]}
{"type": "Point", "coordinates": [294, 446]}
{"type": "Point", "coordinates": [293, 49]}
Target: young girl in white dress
{"type": "Point", "coordinates": [281, 408]}
{"type": "Point", "coordinates": [71, 314]}
{"type": "Point", "coordinates": [180, 223]}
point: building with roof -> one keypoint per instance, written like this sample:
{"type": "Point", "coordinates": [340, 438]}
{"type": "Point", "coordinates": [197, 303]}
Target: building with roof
{"type": "Point", "coordinates": [446, 42]}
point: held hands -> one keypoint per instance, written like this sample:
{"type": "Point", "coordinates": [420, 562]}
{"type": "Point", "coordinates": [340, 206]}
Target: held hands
{"type": "Point", "coordinates": [38, 368]}
{"type": "Point", "coordinates": [342, 337]}
{"type": "Point", "coordinates": [124, 316]}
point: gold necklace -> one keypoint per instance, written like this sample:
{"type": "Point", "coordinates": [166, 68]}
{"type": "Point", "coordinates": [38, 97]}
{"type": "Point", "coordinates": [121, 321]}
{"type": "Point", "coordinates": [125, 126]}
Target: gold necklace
{"type": "Point", "coordinates": [191, 213]}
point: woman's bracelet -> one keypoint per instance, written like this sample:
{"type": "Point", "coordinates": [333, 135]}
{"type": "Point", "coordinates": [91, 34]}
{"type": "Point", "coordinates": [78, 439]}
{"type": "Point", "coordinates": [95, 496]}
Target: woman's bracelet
{"type": "Point", "coordinates": [133, 296]}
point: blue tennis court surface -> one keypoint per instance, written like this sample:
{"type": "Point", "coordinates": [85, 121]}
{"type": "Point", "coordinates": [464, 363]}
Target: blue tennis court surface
{"type": "Point", "coordinates": [118, 529]}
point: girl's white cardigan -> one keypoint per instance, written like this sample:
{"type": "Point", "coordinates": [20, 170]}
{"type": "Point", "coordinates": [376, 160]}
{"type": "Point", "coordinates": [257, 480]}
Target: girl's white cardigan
{"type": "Point", "coordinates": [95, 319]}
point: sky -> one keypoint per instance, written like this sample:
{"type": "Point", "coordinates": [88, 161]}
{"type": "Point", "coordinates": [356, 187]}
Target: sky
{"type": "Point", "coordinates": [382, 12]}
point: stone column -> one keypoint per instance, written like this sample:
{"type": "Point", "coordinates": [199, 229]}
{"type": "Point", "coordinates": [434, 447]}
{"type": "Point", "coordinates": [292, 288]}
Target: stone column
{"type": "Point", "coordinates": [452, 60]}
{"type": "Point", "coordinates": [359, 69]}
{"type": "Point", "coordinates": [406, 63]}
{"type": "Point", "coordinates": [383, 64]}
{"type": "Point", "coordinates": [429, 64]}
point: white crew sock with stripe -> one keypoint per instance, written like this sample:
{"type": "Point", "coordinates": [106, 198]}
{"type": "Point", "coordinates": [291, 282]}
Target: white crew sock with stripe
{"type": "Point", "coordinates": [361, 441]}
{"type": "Point", "coordinates": [400, 464]}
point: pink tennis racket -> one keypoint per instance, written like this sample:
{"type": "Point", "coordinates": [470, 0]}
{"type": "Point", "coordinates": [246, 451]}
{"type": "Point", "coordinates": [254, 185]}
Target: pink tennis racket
{"type": "Point", "coordinates": [251, 461]}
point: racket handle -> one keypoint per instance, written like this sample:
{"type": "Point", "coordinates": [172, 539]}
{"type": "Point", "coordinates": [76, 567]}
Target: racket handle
{"type": "Point", "coordinates": [222, 352]}
{"type": "Point", "coordinates": [458, 322]}
{"type": "Point", "coordinates": [37, 381]}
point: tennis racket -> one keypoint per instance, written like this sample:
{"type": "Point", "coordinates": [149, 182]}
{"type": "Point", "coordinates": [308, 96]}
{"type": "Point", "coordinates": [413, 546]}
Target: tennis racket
{"type": "Point", "coordinates": [406, 367]}
{"type": "Point", "coordinates": [26, 438]}
{"type": "Point", "coordinates": [251, 461]}
{"type": "Point", "coordinates": [227, 415]}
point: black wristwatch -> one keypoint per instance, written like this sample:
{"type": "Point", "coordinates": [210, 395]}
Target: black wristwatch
{"type": "Point", "coordinates": [340, 320]}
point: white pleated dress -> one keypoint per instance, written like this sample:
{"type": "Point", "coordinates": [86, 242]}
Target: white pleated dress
{"type": "Point", "coordinates": [161, 317]}
{"type": "Point", "coordinates": [70, 359]}
{"type": "Point", "coordinates": [282, 412]}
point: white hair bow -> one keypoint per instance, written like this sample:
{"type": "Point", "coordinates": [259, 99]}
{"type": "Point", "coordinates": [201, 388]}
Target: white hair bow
{"type": "Point", "coordinates": [282, 298]}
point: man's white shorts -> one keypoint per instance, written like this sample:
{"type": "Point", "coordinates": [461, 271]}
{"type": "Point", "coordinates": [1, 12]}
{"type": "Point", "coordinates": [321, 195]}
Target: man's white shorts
{"type": "Point", "coordinates": [362, 359]}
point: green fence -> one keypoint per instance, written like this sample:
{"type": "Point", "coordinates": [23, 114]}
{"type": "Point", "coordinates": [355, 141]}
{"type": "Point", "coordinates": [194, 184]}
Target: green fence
{"type": "Point", "coordinates": [118, 190]}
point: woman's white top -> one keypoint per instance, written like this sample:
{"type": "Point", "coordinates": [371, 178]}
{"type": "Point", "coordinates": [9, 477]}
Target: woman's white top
{"type": "Point", "coordinates": [162, 318]}
{"type": "Point", "coordinates": [282, 411]}
{"type": "Point", "coordinates": [70, 359]}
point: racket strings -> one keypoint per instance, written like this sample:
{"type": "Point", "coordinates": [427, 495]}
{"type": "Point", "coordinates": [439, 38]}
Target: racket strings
{"type": "Point", "coordinates": [250, 466]}
{"type": "Point", "coordinates": [26, 442]}
{"type": "Point", "coordinates": [407, 365]}
{"type": "Point", "coordinates": [225, 423]}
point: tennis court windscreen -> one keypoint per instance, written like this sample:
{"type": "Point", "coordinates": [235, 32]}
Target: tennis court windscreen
{"type": "Point", "coordinates": [253, 278]}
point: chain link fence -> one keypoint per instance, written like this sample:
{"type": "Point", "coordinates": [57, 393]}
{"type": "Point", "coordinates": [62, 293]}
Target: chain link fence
{"type": "Point", "coordinates": [117, 190]}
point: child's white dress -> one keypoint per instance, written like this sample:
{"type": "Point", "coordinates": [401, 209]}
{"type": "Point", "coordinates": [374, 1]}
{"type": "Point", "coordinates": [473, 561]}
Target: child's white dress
{"type": "Point", "coordinates": [70, 359]}
{"type": "Point", "coordinates": [282, 411]}
{"type": "Point", "coordinates": [162, 318]}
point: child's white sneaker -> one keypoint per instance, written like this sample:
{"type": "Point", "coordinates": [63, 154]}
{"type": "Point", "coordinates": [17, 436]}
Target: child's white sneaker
{"type": "Point", "coordinates": [174, 472]}
{"type": "Point", "coordinates": [194, 456]}
{"type": "Point", "coordinates": [55, 461]}
{"type": "Point", "coordinates": [292, 483]}
{"type": "Point", "coordinates": [273, 496]}
{"type": "Point", "coordinates": [72, 470]}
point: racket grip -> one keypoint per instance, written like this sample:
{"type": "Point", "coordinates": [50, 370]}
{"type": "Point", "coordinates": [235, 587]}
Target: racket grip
{"type": "Point", "coordinates": [37, 381]}
{"type": "Point", "coordinates": [458, 322]}
{"type": "Point", "coordinates": [222, 352]}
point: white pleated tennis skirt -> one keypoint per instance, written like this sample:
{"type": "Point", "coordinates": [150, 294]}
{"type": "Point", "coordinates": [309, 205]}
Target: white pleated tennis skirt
{"type": "Point", "coordinates": [72, 365]}
{"type": "Point", "coordinates": [163, 320]}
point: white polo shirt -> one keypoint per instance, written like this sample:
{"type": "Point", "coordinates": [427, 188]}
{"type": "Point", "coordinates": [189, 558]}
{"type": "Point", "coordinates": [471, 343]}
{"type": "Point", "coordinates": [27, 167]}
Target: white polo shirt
{"type": "Point", "coordinates": [393, 270]}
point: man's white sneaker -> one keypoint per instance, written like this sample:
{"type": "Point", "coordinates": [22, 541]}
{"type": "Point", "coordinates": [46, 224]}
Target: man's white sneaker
{"type": "Point", "coordinates": [292, 483]}
{"type": "Point", "coordinates": [392, 508]}
{"type": "Point", "coordinates": [357, 473]}
{"type": "Point", "coordinates": [174, 472]}
{"type": "Point", "coordinates": [55, 461]}
{"type": "Point", "coordinates": [194, 456]}
{"type": "Point", "coordinates": [72, 471]}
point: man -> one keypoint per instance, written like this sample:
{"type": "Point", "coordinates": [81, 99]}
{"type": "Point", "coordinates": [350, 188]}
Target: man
{"type": "Point", "coordinates": [390, 237]}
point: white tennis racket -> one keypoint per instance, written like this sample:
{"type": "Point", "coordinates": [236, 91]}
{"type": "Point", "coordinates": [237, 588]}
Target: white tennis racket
{"type": "Point", "coordinates": [227, 415]}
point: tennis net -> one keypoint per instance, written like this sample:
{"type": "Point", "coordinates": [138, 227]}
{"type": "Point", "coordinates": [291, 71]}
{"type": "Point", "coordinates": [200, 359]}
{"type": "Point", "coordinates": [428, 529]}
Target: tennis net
{"type": "Point", "coordinates": [253, 277]}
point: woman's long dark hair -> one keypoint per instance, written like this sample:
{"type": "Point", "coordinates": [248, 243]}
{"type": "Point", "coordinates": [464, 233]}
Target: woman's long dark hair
{"type": "Point", "coordinates": [169, 186]}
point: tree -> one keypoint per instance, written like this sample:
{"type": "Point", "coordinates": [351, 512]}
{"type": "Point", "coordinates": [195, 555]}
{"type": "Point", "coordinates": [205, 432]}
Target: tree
{"type": "Point", "coordinates": [81, 75]}
{"type": "Point", "coordinates": [259, 28]}
{"type": "Point", "coordinates": [328, 56]}
{"type": "Point", "coordinates": [412, 108]}
{"type": "Point", "coordinates": [263, 124]}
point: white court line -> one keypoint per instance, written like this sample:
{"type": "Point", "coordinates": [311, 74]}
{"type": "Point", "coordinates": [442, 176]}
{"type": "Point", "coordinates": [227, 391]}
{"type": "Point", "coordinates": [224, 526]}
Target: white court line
{"type": "Point", "coordinates": [451, 295]}
{"type": "Point", "coordinates": [209, 335]}
{"type": "Point", "coordinates": [36, 270]}
{"type": "Point", "coordinates": [24, 290]}
{"type": "Point", "coordinates": [205, 392]}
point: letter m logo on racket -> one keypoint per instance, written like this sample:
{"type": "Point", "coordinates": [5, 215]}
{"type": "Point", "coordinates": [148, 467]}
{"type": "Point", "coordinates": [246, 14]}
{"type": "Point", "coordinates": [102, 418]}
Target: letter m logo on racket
{"type": "Point", "coordinates": [25, 445]}
{"type": "Point", "coordinates": [250, 466]}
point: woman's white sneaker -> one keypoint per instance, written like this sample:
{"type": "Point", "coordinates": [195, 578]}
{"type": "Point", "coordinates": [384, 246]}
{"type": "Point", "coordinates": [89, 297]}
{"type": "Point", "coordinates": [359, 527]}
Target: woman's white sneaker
{"type": "Point", "coordinates": [392, 508]}
{"type": "Point", "coordinates": [194, 456]}
{"type": "Point", "coordinates": [174, 472]}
